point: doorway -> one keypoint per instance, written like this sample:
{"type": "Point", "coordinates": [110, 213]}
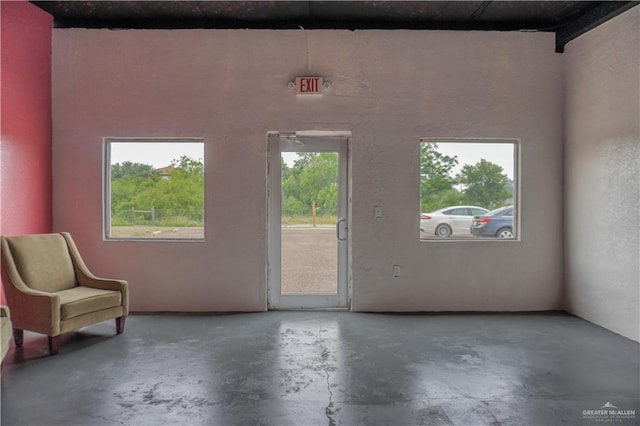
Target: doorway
{"type": "Point", "coordinates": [308, 230]}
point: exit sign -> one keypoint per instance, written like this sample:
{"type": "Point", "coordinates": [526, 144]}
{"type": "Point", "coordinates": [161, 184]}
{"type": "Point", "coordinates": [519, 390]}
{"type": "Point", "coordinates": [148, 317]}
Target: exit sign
{"type": "Point", "coordinates": [309, 85]}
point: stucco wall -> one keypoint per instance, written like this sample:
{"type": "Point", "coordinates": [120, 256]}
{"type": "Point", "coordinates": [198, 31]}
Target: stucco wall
{"type": "Point", "coordinates": [603, 175]}
{"type": "Point", "coordinates": [388, 88]}
{"type": "Point", "coordinates": [25, 147]}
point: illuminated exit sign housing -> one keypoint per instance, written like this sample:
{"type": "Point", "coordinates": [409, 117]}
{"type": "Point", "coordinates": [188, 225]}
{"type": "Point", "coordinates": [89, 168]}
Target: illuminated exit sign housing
{"type": "Point", "coordinates": [309, 85]}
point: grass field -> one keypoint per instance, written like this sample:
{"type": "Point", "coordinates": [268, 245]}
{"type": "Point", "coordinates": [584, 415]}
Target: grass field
{"type": "Point", "coordinates": [308, 220]}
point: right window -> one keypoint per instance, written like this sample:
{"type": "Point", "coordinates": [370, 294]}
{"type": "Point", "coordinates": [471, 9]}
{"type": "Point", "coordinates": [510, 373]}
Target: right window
{"type": "Point", "coordinates": [469, 189]}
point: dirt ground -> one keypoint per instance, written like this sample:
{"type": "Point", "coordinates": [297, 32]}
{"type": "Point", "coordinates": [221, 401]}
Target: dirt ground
{"type": "Point", "coordinates": [156, 232]}
{"type": "Point", "coordinates": [309, 260]}
{"type": "Point", "coordinates": [294, 234]}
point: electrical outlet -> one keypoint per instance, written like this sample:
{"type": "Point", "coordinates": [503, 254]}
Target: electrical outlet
{"type": "Point", "coordinates": [396, 271]}
{"type": "Point", "coordinates": [377, 211]}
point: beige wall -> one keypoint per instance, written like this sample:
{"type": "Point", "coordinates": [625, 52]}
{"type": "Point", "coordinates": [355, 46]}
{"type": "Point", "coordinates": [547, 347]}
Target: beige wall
{"type": "Point", "coordinates": [603, 175]}
{"type": "Point", "coordinates": [389, 88]}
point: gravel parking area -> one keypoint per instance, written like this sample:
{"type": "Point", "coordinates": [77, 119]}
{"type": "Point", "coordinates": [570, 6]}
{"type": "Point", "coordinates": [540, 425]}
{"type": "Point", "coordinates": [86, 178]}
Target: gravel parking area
{"type": "Point", "coordinates": [309, 260]}
{"type": "Point", "coordinates": [157, 232]}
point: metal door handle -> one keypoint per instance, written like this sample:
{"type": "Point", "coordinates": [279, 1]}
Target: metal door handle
{"type": "Point", "coordinates": [338, 229]}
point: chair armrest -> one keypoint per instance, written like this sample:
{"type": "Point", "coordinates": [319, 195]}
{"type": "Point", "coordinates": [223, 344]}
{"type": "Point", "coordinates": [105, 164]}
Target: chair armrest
{"type": "Point", "coordinates": [36, 310]}
{"type": "Point", "coordinates": [30, 309]}
{"type": "Point", "coordinates": [106, 284]}
{"type": "Point", "coordinates": [103, 283]}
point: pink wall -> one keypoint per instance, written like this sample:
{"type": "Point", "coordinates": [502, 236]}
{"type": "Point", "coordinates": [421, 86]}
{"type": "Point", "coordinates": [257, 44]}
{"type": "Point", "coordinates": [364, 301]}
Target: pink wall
{"type": "Point", "coordinates": [25, 120]}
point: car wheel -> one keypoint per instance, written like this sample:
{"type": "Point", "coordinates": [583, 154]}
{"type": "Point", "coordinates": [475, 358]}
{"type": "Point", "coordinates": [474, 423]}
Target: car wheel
{"type": "Point", "coordinates": [504, 233]}
{"type": "Point", "coordinates": [443, 231]}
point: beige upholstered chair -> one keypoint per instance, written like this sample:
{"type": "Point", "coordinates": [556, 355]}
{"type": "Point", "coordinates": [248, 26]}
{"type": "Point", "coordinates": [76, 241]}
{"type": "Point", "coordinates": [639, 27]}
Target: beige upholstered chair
{"type": "Point", "coordinates": [50, 290]}
{"type": "Point", "coordinates": [5, 330]}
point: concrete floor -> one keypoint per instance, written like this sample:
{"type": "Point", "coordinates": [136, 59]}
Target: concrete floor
{"type": "Point", "coordinates": [326, 368]}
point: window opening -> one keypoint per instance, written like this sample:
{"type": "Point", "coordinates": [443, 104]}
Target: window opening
{"type": "Point", "coordinates": [154, 189]}
{"type": "Point", "coordinates": [468, 189]}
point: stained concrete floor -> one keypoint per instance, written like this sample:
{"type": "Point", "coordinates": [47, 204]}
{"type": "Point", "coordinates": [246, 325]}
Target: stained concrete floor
{"type": "Point", "coordinates": [326, 368]}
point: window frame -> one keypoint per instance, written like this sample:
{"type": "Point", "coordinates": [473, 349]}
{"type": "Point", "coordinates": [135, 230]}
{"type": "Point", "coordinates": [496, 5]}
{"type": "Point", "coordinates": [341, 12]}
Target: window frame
{"type": "Point", "coordinates": [106, 187]}
{"type": "Point", "coordinates": [517, 186]}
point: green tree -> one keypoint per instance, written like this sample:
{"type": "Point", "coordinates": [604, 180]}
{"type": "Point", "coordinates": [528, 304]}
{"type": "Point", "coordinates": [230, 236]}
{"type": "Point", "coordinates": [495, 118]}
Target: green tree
{"type": "Point", "coordinates": [485, 184]}
{"type": "Point", "coordinates": [188, 165]}
{"type": "Point", "coordinates": [312, 178]}
{"type": "Point", "coordinates": [128, 180]}
{"type": "Point", "coordinates": [178, 200]}
{"type": "Point", "coordinates": [127, 168]}
{"type": "Point", "coordinates": [436, 180]}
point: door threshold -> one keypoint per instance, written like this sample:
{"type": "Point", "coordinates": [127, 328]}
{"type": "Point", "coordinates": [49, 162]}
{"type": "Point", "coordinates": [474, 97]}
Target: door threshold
{"type": "Point", "coordinates": [309, 310]}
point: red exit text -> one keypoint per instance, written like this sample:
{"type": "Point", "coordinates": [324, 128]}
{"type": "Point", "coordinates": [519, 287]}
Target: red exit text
{"type": "Point", "coordinates": [309, 85]}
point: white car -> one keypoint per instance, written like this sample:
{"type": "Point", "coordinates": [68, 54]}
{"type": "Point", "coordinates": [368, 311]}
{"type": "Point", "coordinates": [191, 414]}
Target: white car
{"type": "Point", "coordinates": [454, 220]}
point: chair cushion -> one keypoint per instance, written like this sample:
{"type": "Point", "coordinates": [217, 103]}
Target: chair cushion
{"type": "Point", "coordinates": [43, 261]}
{"type": "Point", "coordinates": [83, 300]}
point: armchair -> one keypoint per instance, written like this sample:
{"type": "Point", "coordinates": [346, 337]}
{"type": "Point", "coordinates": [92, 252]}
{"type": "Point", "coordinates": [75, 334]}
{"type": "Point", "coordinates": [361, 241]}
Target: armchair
{"type": "Point", "coordinates": [50, 290]}
{"type": "Point", "coordinates": [5, 330]}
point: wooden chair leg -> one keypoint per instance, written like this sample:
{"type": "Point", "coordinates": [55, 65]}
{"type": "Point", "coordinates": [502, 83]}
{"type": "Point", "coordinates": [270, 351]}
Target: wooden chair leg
{"type": "Point", "coordinates": [18, 337]}
{"type": "Point", "coordinates": [54, 343]}
{"type": "Point", "coordinates": [120, 324]}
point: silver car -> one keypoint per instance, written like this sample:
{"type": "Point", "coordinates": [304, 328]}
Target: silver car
{"type": "Point", "coordinates": [453, 220]}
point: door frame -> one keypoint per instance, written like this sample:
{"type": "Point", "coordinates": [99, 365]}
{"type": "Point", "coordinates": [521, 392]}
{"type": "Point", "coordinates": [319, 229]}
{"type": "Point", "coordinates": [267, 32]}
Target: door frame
{"type": "Point", "coordinates": [315, 141]}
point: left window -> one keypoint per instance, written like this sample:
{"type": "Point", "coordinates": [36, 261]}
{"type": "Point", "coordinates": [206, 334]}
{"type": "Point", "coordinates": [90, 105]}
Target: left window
{"type": "Point", "coordinates": [154, 189]}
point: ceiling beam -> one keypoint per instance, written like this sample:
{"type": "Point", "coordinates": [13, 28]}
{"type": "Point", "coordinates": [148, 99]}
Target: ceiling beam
{"type": "Point", "coordinates": [567, 19]}
{"type": "Point", "coordinates": [598, 15]}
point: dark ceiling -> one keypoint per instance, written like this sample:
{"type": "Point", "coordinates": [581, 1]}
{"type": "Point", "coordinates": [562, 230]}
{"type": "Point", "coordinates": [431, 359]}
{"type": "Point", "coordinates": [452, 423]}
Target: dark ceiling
{"type": "Point", "coordinates": [568, 19]}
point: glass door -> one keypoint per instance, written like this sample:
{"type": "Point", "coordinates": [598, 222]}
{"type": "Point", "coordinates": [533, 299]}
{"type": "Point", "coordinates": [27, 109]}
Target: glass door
{"type": "Point", "coordinates": [308, 227]}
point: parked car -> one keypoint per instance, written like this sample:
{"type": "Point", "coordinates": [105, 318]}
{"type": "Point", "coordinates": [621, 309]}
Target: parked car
{"type": "Point", "coordinates": [454, 220]}
{"type": "Point", "coordinates": [497, 223]}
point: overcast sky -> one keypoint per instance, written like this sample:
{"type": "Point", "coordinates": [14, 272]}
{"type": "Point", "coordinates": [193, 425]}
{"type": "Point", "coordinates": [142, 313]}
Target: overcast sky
{"type": "Point", "coordinates": [472, 152]}
{"type": "Point", "coordinates": [160, 154]}
{"type": "Point", "coordinates": [156, 154]}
